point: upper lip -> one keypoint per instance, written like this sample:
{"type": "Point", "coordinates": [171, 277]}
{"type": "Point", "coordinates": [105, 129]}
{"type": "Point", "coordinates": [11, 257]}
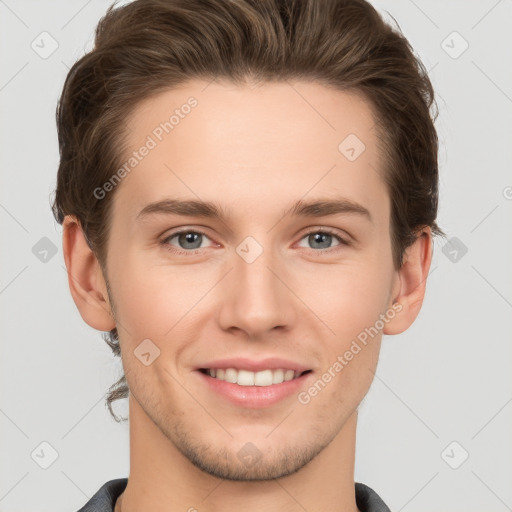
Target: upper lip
{"type": "Point", "coordinates": [242, 363]}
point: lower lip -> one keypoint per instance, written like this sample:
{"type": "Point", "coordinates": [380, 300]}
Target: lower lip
{"type": "Point", "coordinates": [254, 397]}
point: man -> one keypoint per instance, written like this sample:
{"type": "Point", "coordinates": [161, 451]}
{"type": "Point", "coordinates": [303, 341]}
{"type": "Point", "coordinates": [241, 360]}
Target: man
{"type": "Point", "coordinates": [248, 193]}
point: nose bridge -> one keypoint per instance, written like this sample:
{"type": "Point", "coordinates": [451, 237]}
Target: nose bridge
{"type": "Point", "coordinates": [257, 300]}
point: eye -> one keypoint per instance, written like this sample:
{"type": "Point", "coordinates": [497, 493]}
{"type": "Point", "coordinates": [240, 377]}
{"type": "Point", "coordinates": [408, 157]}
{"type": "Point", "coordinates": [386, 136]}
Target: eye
{"type": "Point", "coordinates": [323, 238]}
{"type": "Point", "coordinates": [187, 240]}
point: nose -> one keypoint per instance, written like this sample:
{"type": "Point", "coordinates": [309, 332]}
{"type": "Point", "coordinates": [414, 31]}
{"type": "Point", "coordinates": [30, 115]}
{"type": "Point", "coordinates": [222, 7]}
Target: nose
{"type": "Point", "coordinates": [255, 296]}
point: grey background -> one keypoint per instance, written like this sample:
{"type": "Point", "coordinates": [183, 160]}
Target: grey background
{"type": "Point", "coordinates": [446, 379]}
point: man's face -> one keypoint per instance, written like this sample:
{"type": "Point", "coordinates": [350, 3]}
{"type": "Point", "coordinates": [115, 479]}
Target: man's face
{"type": "Point", "coordinates": [261, 283]}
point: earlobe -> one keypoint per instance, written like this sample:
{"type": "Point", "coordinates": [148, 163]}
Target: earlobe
{"type": "Point", "coordinates": [412, 281]}
{"type": "Point", "coordinates": [85, 277]}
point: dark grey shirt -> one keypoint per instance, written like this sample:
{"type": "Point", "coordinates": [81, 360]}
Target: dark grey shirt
{"type": "Point", "coordinates": [367, 500]}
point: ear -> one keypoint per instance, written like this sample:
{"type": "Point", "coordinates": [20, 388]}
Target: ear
{"type": "Point", "coordinates": [85, 277]}
{"type": "Point", "coordinates": [410, 283]}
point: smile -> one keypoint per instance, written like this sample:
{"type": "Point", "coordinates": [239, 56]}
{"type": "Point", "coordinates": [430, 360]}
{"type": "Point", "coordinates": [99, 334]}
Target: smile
{"type": "Point", "coordinates": [247, 378]}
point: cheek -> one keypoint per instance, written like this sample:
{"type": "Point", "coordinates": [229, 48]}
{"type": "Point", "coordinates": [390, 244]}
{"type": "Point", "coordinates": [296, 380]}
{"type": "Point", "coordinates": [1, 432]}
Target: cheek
{"type": "Point", "coordinates": [350, 355]}
{"type": "Point", "coordinates": [158, 301]}
{"type": "Point", "coordinates": [148, 300]}
{"type": "Point", "coordinates": [351, 299]}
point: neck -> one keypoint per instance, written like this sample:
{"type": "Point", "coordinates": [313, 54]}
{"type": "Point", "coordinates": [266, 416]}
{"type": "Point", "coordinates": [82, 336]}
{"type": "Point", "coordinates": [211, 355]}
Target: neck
{"type": "Point", "coordinates": [162, 479]}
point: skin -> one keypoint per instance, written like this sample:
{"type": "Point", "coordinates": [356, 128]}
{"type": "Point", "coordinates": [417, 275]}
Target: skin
{"type": "Point", "coordinates": [255, 150]}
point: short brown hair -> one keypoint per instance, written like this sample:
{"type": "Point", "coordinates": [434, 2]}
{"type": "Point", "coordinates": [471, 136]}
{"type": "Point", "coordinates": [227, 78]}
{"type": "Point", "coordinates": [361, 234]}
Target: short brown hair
{"type": "Point", "coordinates": [148, 46]}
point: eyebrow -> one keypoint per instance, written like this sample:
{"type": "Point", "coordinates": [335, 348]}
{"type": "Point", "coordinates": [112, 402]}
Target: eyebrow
{"type": "Point", "coordinates": [207, 209]}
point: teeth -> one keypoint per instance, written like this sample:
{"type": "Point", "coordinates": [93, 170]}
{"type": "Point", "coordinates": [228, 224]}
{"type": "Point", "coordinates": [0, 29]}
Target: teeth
{"type": "Point", "coordinates": [247, 378]}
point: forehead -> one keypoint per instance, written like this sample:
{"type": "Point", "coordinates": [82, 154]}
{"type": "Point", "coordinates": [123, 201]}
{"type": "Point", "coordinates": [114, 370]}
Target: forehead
{"type": "Point", "coordinates": [251, 146]}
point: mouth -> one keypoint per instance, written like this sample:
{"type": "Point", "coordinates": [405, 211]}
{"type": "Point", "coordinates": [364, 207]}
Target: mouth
{"type": "Point", "coordinates": [263, 378]}
{"type": "Point", "coordinates": [259, 389]}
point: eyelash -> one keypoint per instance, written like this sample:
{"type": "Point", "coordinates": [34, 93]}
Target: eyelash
{"type": "Point", "coordinates": [179, 252]}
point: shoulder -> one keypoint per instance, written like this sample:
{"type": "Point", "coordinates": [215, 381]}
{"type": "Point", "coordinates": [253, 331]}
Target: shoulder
{"type": "Point", "coordinates": [367, 500]}
{"type": "Point", "coordinates": [104, 499]}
